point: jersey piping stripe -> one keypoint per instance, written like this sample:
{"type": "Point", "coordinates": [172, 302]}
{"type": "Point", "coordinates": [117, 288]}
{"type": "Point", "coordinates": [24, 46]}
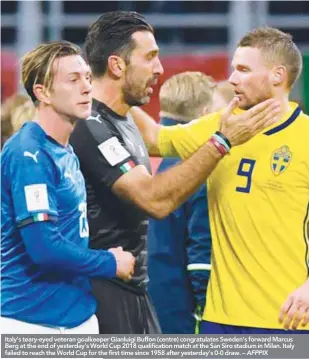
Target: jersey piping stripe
{"type": "Point", "coordinates": [285, 124]}
{"type": "Point", "coordinates": [34, 219]}
{"type": "Point", "coordinates": [306, 237]}
{"type": "Point", "coordinates": [198, 266]}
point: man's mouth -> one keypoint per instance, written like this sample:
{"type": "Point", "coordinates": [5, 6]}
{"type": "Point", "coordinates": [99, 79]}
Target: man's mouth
{"type": "Point", "coordinates": [238, 94]}
{"type": "Point", "coordinates": [152, 83]}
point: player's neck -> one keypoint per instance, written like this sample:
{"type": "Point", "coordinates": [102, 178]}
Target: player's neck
{"type": "Point", "coordinates": [284, 104]}
{"type": "Point", "coordinates": [54, 125]}
{"type": "Point", "coordinates": [106, 90]}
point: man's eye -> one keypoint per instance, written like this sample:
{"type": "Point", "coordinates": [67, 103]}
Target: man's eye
{"type": "Point", "coordinates": [151, 56]}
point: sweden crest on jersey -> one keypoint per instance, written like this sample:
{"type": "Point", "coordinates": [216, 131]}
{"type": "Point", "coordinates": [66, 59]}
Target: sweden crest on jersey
{"type": "Point", "coordinates": [280, 160]}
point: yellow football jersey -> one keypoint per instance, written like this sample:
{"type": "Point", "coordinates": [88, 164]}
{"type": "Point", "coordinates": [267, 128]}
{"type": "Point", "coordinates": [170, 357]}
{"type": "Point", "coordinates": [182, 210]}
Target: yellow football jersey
{"type": "Point", "coordinates": [258, 203]}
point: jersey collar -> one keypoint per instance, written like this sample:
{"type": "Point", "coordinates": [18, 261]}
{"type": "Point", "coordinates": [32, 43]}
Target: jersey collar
{"type": "Point", "coordinates": [42, 134]}
{"type": "Point", "coordinates": [101, 107]}
{"type": "Point", "coordinates": [284, 122]}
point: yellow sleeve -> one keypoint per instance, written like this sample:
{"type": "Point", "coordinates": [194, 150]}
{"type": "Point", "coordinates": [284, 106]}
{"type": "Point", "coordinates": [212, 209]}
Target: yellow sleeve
{"type": "Point", "coordinates": [183, 140]}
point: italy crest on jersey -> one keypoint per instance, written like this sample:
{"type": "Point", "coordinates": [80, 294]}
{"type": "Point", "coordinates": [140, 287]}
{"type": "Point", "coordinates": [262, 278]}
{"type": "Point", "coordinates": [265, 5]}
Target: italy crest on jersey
{"type": "Point", "coordinates": [280, 160]}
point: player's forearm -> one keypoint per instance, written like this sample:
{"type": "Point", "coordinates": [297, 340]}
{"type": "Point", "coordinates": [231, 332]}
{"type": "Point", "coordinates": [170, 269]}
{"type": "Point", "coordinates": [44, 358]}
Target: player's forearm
{"type": "Point", "coordinates": [171, 188]}
{"type": "Point", "coordinates": [48, 249]}
{"type": "Point", "coordinates": [199, 282]}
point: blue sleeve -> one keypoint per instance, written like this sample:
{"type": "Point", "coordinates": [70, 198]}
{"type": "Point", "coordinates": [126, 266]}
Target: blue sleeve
{"type": "Point", "coordinates": [33, 178]}
{"type": "Point", "coordinates": [198, 244]}
{"type": "Point", "coordinates": [47, 248]}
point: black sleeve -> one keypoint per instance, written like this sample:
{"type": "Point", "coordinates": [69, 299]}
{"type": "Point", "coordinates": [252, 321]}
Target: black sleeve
{"type": "Point", "coordinates": [102, 152]}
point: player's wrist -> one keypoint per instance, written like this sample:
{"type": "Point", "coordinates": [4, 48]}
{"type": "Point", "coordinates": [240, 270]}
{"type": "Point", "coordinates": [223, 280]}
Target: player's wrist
{"type": "Point", "coordinates": [223, 140]}
{"type": "Point", "coordinates": [221, 143]}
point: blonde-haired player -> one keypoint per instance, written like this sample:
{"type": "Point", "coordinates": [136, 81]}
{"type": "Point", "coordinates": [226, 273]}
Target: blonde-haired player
{"type": "Point", "coordinates": [258, 196]}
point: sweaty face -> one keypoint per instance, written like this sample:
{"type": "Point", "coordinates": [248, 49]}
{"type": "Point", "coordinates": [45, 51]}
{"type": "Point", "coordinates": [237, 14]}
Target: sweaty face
{"type": "Point", "coordinates": [70, 93]}
{"type": "Point", "coordinates": [143, 69]}
{"type": "Point", "coordinates": [251, 77]}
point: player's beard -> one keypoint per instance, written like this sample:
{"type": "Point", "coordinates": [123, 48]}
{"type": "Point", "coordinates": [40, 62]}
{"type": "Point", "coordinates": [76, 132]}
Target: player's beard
{"type": "Point", "coordinates": [132, 98]}
{"type": "Point", "coordinates": [134, 92]}
{"type": "Point", "coordinates": [258, 99]}
{"type": "Point", "coordinates": [257, 94]}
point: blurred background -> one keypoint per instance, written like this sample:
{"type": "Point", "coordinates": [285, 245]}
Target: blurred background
{"type": "Point", "coordinates": [192, 35]}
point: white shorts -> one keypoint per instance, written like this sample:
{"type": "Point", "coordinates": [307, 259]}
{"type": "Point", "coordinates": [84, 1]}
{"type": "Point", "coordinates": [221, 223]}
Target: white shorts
{"type": "Point", "coordinates": [13, 326]}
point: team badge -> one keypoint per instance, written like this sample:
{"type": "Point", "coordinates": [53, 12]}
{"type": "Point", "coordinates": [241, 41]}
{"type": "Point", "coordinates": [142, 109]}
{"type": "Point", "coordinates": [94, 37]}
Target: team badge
{"type": "Point", "coordinates": [280, 160]}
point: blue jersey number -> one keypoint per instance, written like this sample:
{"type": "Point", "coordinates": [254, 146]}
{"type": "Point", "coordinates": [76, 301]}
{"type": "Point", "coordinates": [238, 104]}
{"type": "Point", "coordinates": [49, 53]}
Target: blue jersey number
{"type": "Point", "coordinates": [245, 169]}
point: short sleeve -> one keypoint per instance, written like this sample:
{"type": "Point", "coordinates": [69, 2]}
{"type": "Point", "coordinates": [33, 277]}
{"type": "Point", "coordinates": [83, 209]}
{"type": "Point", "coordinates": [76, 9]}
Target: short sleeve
{"type": "Point", "coordinates": [102, 152]}
{"type": "Point", "coordinates": [184, 140]}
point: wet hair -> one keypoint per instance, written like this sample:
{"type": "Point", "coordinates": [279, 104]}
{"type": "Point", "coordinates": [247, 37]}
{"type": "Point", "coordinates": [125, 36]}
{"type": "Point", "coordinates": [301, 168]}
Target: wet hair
{"type": "Point", "coordinates": [110, 35]}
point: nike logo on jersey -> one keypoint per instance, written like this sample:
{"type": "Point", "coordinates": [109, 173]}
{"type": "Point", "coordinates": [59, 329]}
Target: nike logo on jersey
{"type": "Point", "coordinates": [31, 155]}
{"type": "Point", "coordinates": [92, 118]}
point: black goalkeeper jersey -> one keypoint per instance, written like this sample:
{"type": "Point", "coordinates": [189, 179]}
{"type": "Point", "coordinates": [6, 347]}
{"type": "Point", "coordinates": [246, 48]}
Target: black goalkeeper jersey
{"type": "Point", "coordinates": [107, 146]}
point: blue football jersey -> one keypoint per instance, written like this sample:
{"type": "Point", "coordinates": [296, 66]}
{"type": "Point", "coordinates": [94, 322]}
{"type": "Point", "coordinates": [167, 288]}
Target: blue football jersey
{"type": "Point", "coordinates": [42, 182]}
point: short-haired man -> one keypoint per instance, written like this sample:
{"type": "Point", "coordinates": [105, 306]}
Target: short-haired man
{"type": "Point", "coordinates": [123, 55]}
{"type": "Point", "coordinates": [258, 197]}
{"type": "Point", "coordinates": [45, 259]}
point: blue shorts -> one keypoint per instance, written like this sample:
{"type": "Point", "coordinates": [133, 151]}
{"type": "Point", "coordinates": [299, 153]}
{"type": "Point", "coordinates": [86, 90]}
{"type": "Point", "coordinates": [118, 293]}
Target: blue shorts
{"type": "Point", "coordinates": [216, 328]}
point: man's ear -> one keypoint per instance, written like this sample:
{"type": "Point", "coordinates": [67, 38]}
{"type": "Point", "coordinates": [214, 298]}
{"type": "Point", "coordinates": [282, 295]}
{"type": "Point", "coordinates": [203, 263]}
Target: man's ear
{"type": "Point", "coordinates": [204, 110]}
{"type": "Point", "coordinates": [116, 66]}
{"type": "Point", "coordinates": [41, 94]}
{"type": "Point", "coordinates": [279, 75]}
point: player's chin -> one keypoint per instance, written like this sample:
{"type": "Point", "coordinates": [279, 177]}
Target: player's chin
{"type": "Point", "coordinates": [82, 114]}
{"type": "Point", "coordinates": [139, 101]}
{"type": "Point", "coordinates": [244, 105]}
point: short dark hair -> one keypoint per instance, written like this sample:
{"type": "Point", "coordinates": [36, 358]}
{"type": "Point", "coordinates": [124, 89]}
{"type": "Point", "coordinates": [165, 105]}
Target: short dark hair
{"type": "Point", "coordinates": [110, 35]}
